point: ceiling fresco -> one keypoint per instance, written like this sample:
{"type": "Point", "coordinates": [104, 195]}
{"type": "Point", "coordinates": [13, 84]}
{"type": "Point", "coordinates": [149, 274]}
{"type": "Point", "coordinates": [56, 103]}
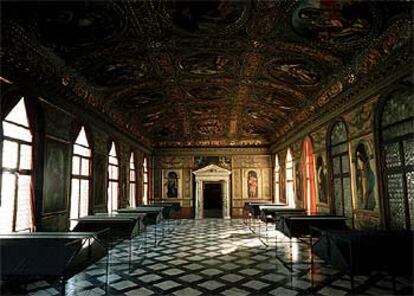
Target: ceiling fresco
{"type": "Point", "coordinates": [204, 73]}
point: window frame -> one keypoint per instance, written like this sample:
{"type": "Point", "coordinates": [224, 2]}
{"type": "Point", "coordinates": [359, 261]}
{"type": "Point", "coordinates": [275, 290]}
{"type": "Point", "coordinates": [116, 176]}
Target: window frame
{"type": "Point", "coordinates": [145, 181]}
{"type": "Point", "coordinates": [132, 182]}
{"type": "Point", "coordinates": [17, 171]}
{"type": "Point", "coordinates": [290, 198]}
{"type": "Point", "coordinates": [277, 179]}
{"type": "Point", "coordinates": [110, 181]}
{"type": "Point", "coordinates": [332, 156]}
{"type": "Point", "coordinates": [81, 177]}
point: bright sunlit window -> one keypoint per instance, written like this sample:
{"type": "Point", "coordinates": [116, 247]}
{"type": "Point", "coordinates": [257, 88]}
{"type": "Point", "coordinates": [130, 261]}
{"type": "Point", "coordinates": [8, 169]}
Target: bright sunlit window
{"type": "Point", "coordinates": [289, 179]}
{"type": "Point", "coordinates": [113, 168]}
{"type": "Point", "coordinates": [145, 175]}
{"type": "Point", "coordinates": [132, 182]}
{"type": "Point", "coordinates": [16, 209]}
{"type": "Point", "coordinates": [309, 177]}
{"type": "Point", "coordinates": [277, 168]}
{"type": "Point", "coordinates": [79, 200]}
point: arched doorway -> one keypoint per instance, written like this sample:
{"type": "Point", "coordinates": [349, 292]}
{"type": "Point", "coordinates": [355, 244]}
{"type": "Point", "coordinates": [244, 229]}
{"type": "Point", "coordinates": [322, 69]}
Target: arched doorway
{"type": "Point", "coordinates": [308, 172]}
{"type": "Point", "coordinates": [396, 147]}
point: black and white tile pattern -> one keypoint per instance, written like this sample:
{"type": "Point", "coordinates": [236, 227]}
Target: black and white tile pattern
{"type": "Point", "coordinates": [220, 257]}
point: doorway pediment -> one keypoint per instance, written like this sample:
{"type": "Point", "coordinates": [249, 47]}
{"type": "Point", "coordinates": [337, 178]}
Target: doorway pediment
{"type": "Point", "coordinates": [212, 170]}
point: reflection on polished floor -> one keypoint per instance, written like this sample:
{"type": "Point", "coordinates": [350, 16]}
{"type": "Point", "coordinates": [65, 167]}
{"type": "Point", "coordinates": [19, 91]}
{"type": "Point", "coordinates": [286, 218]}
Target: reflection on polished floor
{"type": "Point", "coordinates": [221, 257]}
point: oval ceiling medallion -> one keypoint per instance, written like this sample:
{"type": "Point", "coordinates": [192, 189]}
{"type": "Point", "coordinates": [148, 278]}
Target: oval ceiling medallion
{"type": "Point", "coordinates": [116, 72]}
{"type": "Point", "coordinates": [206, 64]}
{"type": "Point", "coordinates": [293, 72]}
{"type": "Point", "coordinates": [335, 21]}
{"type": "Point", "coordinates": [206, 17]}
{"type": "Point", "coordinates": [278, 100]}
{"type": "Point", "coordinates": [208, 93]}
{"type": "Point", "coordinates": [141, 100]}
{"type": "Point", "coordinates": [75, 23]}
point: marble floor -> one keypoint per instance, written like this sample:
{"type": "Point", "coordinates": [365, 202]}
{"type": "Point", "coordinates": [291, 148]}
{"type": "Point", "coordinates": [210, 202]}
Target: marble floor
{"type": "Point", "coordinates": [219, 257]}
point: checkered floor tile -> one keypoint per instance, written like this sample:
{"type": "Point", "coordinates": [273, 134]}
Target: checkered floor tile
{"type": "Point", "coordinates": [218, 257]}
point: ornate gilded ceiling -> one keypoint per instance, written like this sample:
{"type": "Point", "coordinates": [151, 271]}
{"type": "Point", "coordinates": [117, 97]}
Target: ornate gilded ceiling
{"type": "Point", "coordinates": [209, 73]}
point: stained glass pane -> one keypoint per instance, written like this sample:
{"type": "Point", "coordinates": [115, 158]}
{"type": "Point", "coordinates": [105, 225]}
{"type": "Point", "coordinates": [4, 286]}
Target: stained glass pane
{"type": "Point", "coordinates": [337, 165]}
{"type": "Point", "coordinates": [113, 160]}
{"type": "Point", "coordinates": [79, 150]}
{"type": "Point", "coordinates": [113, 195]}
{"type": "Point", "coordinates": [10, 154]}
{"type": "Point", "coordinates": [409, 152]}
{"type": "Point", "coordinates": [85, 167]}
{"type": "Point", "coordinates": [131, 162]}
{"type": "Point", "coordinates": [145, 197]}
{"type": "Point", "coordinates": [7, 202]}
{"type": "Point", "coordinates": [392, 155]}
{"type": "Point", "coordinates": [338, 133]}
{"type": "Point", "coordinates": [84, 198]}
{"type": "Point", "coordinates": [16, 132]}
{"type": "Point", "coordinates": [397, 109]}
{"type": "Point", "coordinates": [24, 208]}
{"type": "Point", "coordinates": [82, 139]}
{"type": "Point", "coordinates": [339, 207]}
{"type": "Point", "coordinates": [131, 176]}
{"type": "Point", "coordinates": [339, 149]}
{"type": "Point", "coordinates": [75, 165]}
{"type": "Point", "coordinates": [112, 152]}
{"type": "Point", "coordinates": [74, 201]}
{"type": "Point", "coordinates": [396, 201]}
{"type": "Point", "coordinates": [18, 114]}
{"type": "Point", "coordinates": [410, 192]}
{"type": "Point", "coordinates": [113, 172]}
{"type": "Point", "coordinates": [132, 195]}
{"type": "Point", "coordinates": [347, 197]}
{"type": "Point", "coordinates": [144, 165]}
{"type": "Point", "coordinates": [345, 164]}
{"type": "Point", "coordinates": [25, 157]}
{"type": "Point", "coordinates": [398, 130]}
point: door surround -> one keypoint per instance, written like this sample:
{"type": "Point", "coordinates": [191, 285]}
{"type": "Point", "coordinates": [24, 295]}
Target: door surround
{"type": "Point", "coordinates": [212, 173]}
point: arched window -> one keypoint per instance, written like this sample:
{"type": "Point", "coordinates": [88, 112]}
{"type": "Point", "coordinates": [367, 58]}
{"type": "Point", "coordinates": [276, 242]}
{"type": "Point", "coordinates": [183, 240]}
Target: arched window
{"type": "Point", "coordinates": [113, 169]}
{"type": "Point", "coordinates": [145, 183]}
{"type": "Point", "coordinates": [397, 146]}
{"type": "Point", "coordinates": [289, 180]}
{"type": "Point", "coordinates": [277, 187]}
{"type": "Point", "coordinates": [308, 170]}
{"type": "Point", "coordinates": [16, 206]}
{"type": "Point", "coordinates": [339, 160]}
{"type": "Point", "coordinates": [81, 159]}
{"type": "Point", "coordinates": [132, 182]}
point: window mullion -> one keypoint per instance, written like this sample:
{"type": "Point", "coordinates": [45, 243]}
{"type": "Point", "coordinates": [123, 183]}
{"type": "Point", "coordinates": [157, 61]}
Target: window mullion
{"type": "Point", "coordinates": [16, 189]}
{"type": "Point", "coordinates": [79, 187]}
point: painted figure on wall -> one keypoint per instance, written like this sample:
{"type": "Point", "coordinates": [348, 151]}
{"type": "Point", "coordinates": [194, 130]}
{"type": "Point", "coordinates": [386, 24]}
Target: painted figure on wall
{"type": "Point", "coordinates": [172, 188]}
{"type": "Point", "coordinates": [299, 182]}
{"type": "Point", "coordinates": [321, 180]}
{"type": "Point", "coordinates": [365, 179]}
{"type": "Point", "coordinates": [55, 176]}
{"type": "Point", "coordinates": [252, 184]}
{"type": "Point", "coordinates": [282, 191]}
